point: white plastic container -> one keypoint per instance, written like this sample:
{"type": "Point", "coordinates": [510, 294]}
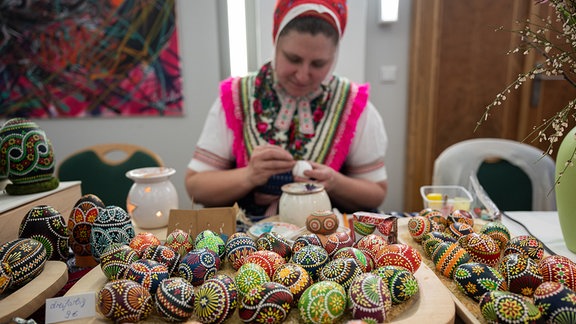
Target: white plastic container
{"type": "Point", "coordinates": [446, 198]}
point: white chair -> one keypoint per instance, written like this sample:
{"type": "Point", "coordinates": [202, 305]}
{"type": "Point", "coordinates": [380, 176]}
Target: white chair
{"type": "Point", "coordinates": [458, 162]}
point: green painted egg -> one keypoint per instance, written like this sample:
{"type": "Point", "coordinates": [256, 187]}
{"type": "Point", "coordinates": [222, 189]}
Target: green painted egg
{"type": "Point", "coordinates": [506, 307]}
{"type": "Point", "coordinates": [323, 302]}
{"type": "Point", "coordinates": [400, 282]}
{"type": "Point", "coordinates": [250, 275]}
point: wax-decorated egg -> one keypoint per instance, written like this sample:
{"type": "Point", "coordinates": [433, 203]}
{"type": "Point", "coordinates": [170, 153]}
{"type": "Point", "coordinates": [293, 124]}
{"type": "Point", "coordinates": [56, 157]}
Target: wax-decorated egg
{"type": "Point", "coordinates": [558, 268]}
{"type": "Point", "coordinates": [216, 299]}
{"type": "Point", "coordinates": [556, 302]}
{"type": "Point", "coordinates": [498, 306]}
{"type": "Point", "coordinates": [521, 273]}
{"type": "Point", "coordinates": [498, 232]}
{"type": "Point", "coordinates": [371, 244]}
{"type": "Point", "coordinates": [461, 216]}
{"type": "Point", "coordinates": [143, 240]}
{"type": "Point", "coordinates": [527, 245]}
{"type": "Point", "coordinates": [306, 239]}
{"type": "Point", "coordinates": [448, 256]}
{"type": "Point", "coordinates": [80, 222]}
{"type": "Point", "coordinates": [432, 239]}
{"type": "Point", "coordinates": [400, 282]}
{"type": "Point", "coordinates": [457, 230]}
{"type": "Point", "coordinates": [314, 307]}
{"type": "Point", "coordinates": [212, 241]}
{"type": "Point", "coordinates": [198, 266]}
{"type": "Point", "coordinates": [238, 246]}
{"type": "Point", "coordinates": [269, 302]}
{"type": "Point", "coordinates": [116, 260]}
{"type": "Point", "coordinates": [164, 255]}
{"type": "Point", "coordinates": [268, 260]}
{"type": "Point", "coordinates": [399, 254]}
{"type": "Point", "coordinates": [248, 276]}
{"type": "Point", "coordinates": [293, 277]}
{"type": "Point", "coordinates": [25, 258]}
{"type": "Point", "coordinates": [312, 258]}
{"type": "Point", "coordinates": [342, 271]}
{"type": "Point", "coordinates": [336, 241]}
{"type": "Point", "coordinates": [369, 298]}
{"type": "Point", "coordinates": [175, 299]}
{"type": "Point", "coordinates": [124, 301]}
{"type": "Point", "coordinates": [112, 225]}
{"type": "Point", "coordinates": [360, 257]}
{"type": "Point", "coordinates": [474, 279]}
{"type": "Point", "coordinates": [481, 247]}
{"type": "Point", "coordinates": [46, 225]}
{"type": "Point", "coordinates": [275, 242]}
{"type": "Point", "coordinates": [180, 241]}
{"type": "Point", "coordinates": [148, 273]}
{"type": "Point", "coordinates": [435, 216]}
{"type": "Point", "coordinates": [322, 222]}
{"type": "Point", "coordinates": [418, 226]}
{"type": "Point", "coordinates": [5, 275]}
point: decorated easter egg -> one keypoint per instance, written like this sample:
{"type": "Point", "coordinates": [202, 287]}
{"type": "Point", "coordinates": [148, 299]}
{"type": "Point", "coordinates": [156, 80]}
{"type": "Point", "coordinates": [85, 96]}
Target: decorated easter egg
{"type": "Point", "coordinates": [498, 306]}
{"type": "Point", "coordinates": [112, 225]}
{"type": "Point", "coordinates": [399, 254]}
{"type": "Point", "coordinates": [269, 302]}
{"type": "Point", "coordinates": [275, 242]}
{"type": "Point", "coordinates": [360, 257]}
{"type": "Point", "coordinates": [521, 273]}
{"type": "Point", "coordinates": [461, 216]}
{"type": "Point", "coordinates": [432, 239]}
{"type": "Point", "coordinates": [481, 248]}
{"type": "Point", "coordinates": [175, 299]}
{"type": "Point", "coordinates": [164, 255]}
{"type": "Point", "coordinates": [80, 222]}
{"type": "Point", "coordinates": [143, 240]}
{"type": "Point", "coordinates": [180, 241]}
{"type": "Point", "coordinates": [46, 225]}
{"type": "Point", "coordinates": [474, 279]}
{"type": "Point", "coordinates": [216, 299]}
{"type": "Point", "coordinates": [525, 244]}
{"type": "Point", "coordinates": [448, 256]}
{"type": "Point", "coordinates": [25, 258]}
{"type": "Point", "coordinates": [558, 268]}
{"type": "Point", "coordinates": [418, 226]}
{"type": "Point", "coordinates": [400, 282]}
{"type": "Point", "coordinates": [306, 239]}
{"type": "Point", "coordinates": [250, 275]}
{"type": "Point", "coordinates": [342, 271]}
{"type": "Point", "coordinates": [457, 230]}
{"type": "Point", "coordinates": [268, 260]}
{"type": "Point", "coordinates": [5, 276]}
{"type": "Point", "coordinates": [336, 241]}
{"type": "Point", "coordinates": [124, 301]}
{"type": "Point", "coordinates": [323, 302]}
{"type": "Point", "coordinates": [116, 260]}
{"type": "Point", "coordinates": [199, 265]}
{"type": "Point", "coordinates": [322, 222]}
{"type": "Point", "coordinates": [436, 217]}
{"type": "Point", "coordinates": [371, 244]}
{"type": "Point", "coordinates": [148, 273]}
{"type": "Point", "coordinates": [212, 241]}
{"type": "Point", "coordinates": [556, 302]}
{"type": "Point", "coordinates": [312, 258]}
{"type": "Point", "coordinates": [238, 246]}
{"type": "Point", "coordinates": [293, 277]}
{"type": "Point", "coordinates": [498, 232]}
{"type": "Point", "coordinates": [369, 298]}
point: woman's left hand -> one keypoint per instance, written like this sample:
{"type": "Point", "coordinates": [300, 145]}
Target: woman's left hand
{"type": "Point", "coordinates": [322, 174]}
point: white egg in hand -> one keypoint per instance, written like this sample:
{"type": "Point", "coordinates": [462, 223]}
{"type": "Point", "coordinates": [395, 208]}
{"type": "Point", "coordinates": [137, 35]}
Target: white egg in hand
{"type": "Point", "coordinates": [300, 167]}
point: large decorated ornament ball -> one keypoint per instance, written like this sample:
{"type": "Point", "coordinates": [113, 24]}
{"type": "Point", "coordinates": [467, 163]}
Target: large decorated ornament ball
{"type": "Point", "coordinates": [180, 241]}
{"type": "Point", "coordinates": [558, 268]}
{"type": "Point", "coordinates": [293, 277]}
{"type": "Point", "coordinates": [199, 265]}
{"type": "Point", "coordinates": [113, 225]}
{"type": "Point", "coordinates": [143, 240]}
{"type": "Point", "coordinates": [342, 271]}
{"type": "Point", "coordinates": [211, 240]}
{"type": "Point", "coordinates": [268, 260]}
{"type": "Point", "coordinates": [25, 258]}
{"type": "Point", "coordinates": [312, 258]}
{"type": "Point", "coordinates": [238, 246]}
{"type": "Point", "coordinates": [266, 303]}
{"type": "Point", "coordinates": [369, 298]}
{"type": "Point", "coordinates": [323, 302]}
{"type": "Point", "coordinates": [401, 283]}
{"type": "Point", "coordinates": [499, 306]}
{"type": "Point", "coordinates": [164, 255]}
{"type": "Point", "coordinates": [556, 302]}
{"type": "Point", "coordinates": [116, 260]}
{"type": "Point", "coordinates": [216, 299]}
{"type": "Point", "coordinates": [521, 273]}
{"type": "Point", "coordinates": [175, 299]}
{"type": "Point", "coordinates": [275, 242]}
{"type": "Point", "coordinates": [148, 273]}
{"type": "Point", "coordinates": [399, 254]}
{"type": "Point", "coordinates": [124, 301]}
{"type": "Point", "coordinates": [46, 225]}
{"type": "Point", "coordinates": [80, 222]}
{"type": "Point", "coordinates": [475, 279]}
{"type": "Point", "coordinates": [250, 275]}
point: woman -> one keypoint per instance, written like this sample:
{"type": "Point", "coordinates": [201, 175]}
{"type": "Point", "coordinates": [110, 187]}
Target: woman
{"type": "Point", "coordinates": [294, 108]}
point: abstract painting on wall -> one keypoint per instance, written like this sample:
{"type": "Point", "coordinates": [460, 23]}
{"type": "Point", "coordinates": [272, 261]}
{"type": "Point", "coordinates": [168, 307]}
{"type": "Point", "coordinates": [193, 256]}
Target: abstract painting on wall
{"type": "Point", "coordinates": [89, 58]}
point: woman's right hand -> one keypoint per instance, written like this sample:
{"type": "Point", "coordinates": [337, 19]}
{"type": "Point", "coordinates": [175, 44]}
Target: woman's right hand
{"type": "Point", "coordinates": [266, 161]}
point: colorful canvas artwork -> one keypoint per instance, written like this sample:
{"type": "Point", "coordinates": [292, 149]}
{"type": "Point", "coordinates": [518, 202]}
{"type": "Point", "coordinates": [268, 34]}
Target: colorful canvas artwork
{"type": "Point", "coordinates": [89, 58]}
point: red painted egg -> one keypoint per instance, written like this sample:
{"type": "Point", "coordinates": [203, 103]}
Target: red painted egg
{"type": "Point", "coordinates": [267, 303]}
{"type": "Point", "coordinates": [399, 255]}
{"type": "Point", "coordinates": [371, 244]}
{"type": "Point", "coordinates": [80, 223]}
{"type": "Point", "coordinates": [268, 260]}
{"type": "Point", "coordinates": [481, 247]}
{"type": "Point", "coordinates": [143, 240]}
{"type": "Point", "coordinates": [336, 241]}
{"type": "Point", "coordinates": [124, 301]}
{"type": "Point", "coordinates": [558, 268]}
{"type": "Point", "coordinates": [275, 242]}
{"type": "Point", "coordinates": [418, 226]}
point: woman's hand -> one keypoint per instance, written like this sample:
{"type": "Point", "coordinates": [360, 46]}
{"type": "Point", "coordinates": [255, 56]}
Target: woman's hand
{"type": "Point", "coordinates": [322, 174]}
{"type": "Point", "coordinates": [266, 161]}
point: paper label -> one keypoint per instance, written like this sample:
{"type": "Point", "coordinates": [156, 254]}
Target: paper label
{"type": "Point", "coordinates": [69, 308]}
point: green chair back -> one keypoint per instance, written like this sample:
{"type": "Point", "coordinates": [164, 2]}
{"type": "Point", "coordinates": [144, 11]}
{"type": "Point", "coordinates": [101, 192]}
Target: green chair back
{"type": "Point", "coordinates": [506, 184]}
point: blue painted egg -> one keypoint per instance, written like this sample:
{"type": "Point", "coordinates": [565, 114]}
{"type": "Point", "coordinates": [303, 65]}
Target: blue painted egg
{"type": "Point", "coordinates": [25, 258]}
{"type": "Point", "coordinates": [400, 255]}
{"type": "Point", "coordinates": [199, 265]}
{"type": "Point", "coordinates": [556, 302]}
{"type": "Point", "coordinates": [239, 246]}
{"type": "Point", "coordinates": [475, 279]}
{"type": "Point", "coordinates": [269, 302]}
{"type": "Point", "coordinates": [248, 276]}
{"type": "Point", "coordinates": [369, 298]}
{"type": "Point", "coordinates": [498, 306]}
{"type": "Point", "coordinates": [275, 242]}
{"type": "Point", "coordinates": [521, 273]}
{"type": "Point", "coordinates": [46, 225]}
{"type": "Point", "coordinates": [457, 230]}
{"type": "Point", "coordinates": [148, 273]}
{"type": "Point", "coordinates": [400, 282]}
{"type": "Point", "coordinates": [342, 271]}
{"type": "Point", "coordinates": [113, 225]}
{"type": "Point", "coordinates": [164, 255]}
{"type": "Point", "coordinates": [216, 299]}
{"type": "Point", "coordinates": [174, 299]}
{"type": "Point", "coordinates": [312, 258]}
{"type": "Point", "coordinates": [116, 260]}
{"type": "Point", "coordinates": [371, 244]}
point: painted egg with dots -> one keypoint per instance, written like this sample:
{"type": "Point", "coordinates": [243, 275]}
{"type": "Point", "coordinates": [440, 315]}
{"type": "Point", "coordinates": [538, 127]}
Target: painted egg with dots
{"type": "Point", "coordinates": [180, 241]}
{"type": "Point", "coordinates": [5, 275]}
{"type": "Point", "coordinates": [556, 302]}
{"type": "Point", "coordinates": [112, 225]}
{"type": "Point", "coordinates": [435, 216]}
{"type": "Point", "coordinates": [198, 266]}
{"type": "Point", "coordinates": [457, 230]}
{"type": "Point", "coordinates": [399, 254]}
{"type": "Point", "coordinates": [25, 258]}
{"type": "Point", "coordinates": [336, 241]}
{"type": "Point", "coordinates": [322, 222]}
{"type": "Point", "coordinates": [418, 226]}
{"type": "Point", "coordinates": [275, 242]}
{"type": "Point", "coordinates": [323, 302]}
{"type": "Point", "coordinates": [143, 240]}
{"type": "Point", "coordinates": [371, 244]}
{"type": "Point", "coordinates": [269, 302]}
{"type": "Point", "coordinates": [250, 275]}
{"type": "Point", "coordinates": [521, 274]}
{"type": "Point", "coordinates": [312, 258]}
{"type": "Point", "coordinates": [506, 307]}
{"type": "Point", "coordinates": [448, 256]}
{"type": "Point", "coordinates": [306, 239]}
{"type": "Point", "coordinates": [268, 260]}
{"type": "Point", "coordinates": [80, 221]}
{"type": "Point", "coordinates": [148, 273]}
{"type": "Point", "coordinates": [164, 255]}
{"type": "Point", "coordinates": [360, 257]}
{"type": "Point", "coordinates": [46, 225]}
{"type": "Point", "coordinates": [498, 232]}
{"type": "Point", "coordinates": [212, 241]}
{"type": "Point", "coordinates": [558, 268]}
{"type": "Point", "coordinates": [431, 240]}
{"type": "Point", "coordinates": [116, 260]}
{"type": "Point", "coordinates": [342, 271]}
{"type": "Point", "coordinates": [293, 277]}
{"type": "Point", "coordinates": [216, 299]}
{"type": "Point", "coordinates": [238, 246]}
{"type": "Point", "coordinates": [401, 283]}
{"type": "Point", "coordinates": [461, 216]}
{"type": "Point", "coordinates": [174, 299]}
{"type": "Point", "coordinates": [369, 298]}
{"type": "Point", "coordinates": [124, 301]}
{"type": "Point", "coordinates": [527, 245]}
{"type": "Point", "coordinates": [481, 248]}
{"type": "Point", "coordinates": [475, 279]}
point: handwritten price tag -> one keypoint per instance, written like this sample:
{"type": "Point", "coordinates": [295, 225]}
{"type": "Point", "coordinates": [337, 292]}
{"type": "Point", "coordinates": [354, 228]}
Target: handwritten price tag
{"type": "Point", "coordinates": [69, 308]}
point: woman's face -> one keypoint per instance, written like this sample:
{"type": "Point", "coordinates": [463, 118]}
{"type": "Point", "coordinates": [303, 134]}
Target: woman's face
{"type": "Point", "coordinates": [303, 61]}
